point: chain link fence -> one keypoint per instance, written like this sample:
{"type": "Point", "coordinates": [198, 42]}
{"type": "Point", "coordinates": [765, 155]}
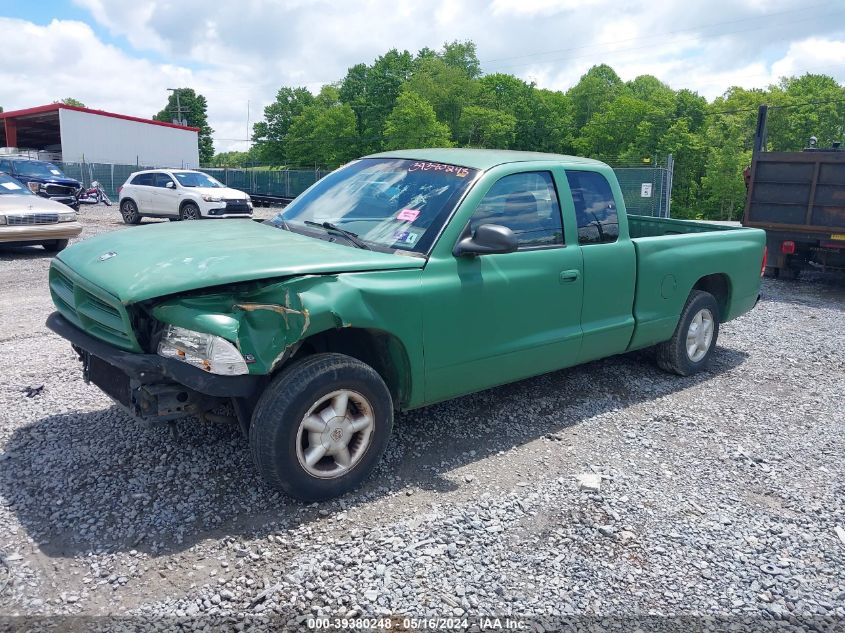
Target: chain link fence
{"type": "Point", "coordinates": [646, 189]}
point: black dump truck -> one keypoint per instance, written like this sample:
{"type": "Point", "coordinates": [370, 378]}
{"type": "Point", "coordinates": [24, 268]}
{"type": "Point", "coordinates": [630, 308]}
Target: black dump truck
{"type": "Point", "coordinates": [799, 199]}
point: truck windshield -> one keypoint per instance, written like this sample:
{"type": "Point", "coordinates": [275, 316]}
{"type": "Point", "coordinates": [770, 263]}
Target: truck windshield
{"type": "Point", "coordinates": [194, 179]}
{"type": "Point", "coordinates": [390, 203]}
{"type": "Point", "coordinates": [9, 185]}
{"type": "Point", "coordinates": [38, 169]}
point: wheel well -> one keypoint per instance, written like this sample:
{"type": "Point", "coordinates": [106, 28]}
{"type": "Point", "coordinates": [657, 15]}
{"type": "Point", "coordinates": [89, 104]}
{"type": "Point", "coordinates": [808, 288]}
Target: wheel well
{"type": "Point", "coordinates": [719, 286]}
{"type": "Point", "coordinates": [188, 201]}
{"type": "Point", "coordinates": [380, 350]}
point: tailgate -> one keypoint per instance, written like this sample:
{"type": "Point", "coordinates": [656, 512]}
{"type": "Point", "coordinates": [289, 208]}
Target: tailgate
{"type": "Point", "coordinates": [798, 191]}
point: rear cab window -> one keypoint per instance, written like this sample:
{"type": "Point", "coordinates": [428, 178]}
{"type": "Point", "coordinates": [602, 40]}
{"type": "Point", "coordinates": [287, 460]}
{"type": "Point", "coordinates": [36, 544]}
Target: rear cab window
{"type": "Point", "coordinates": [596, 212]}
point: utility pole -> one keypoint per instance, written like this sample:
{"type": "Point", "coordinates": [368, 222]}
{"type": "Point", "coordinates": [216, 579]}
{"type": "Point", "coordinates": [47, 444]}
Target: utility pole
{"type": "Point", "coordinates": [179, 120]}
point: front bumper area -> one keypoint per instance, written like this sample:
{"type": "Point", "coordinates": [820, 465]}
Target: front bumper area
{"type": "Point", "coordinates": [226, 208]}
{"type": "Point", "coordinates": [154, 388]}
{"type": "Point", "coordinates": [35, 233]}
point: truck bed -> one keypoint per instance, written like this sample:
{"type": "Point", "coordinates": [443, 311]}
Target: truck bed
{"type": "Point", "coordinates": [675, 255]}
{"type": "Point", "coordinates": [647, 226]}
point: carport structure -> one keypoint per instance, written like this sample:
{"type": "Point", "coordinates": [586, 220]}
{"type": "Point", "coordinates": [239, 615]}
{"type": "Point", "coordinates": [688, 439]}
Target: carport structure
{"type": "Point", "coordinates": [36, 128]}
{"type": "Point", "coordinates": [86, 135]}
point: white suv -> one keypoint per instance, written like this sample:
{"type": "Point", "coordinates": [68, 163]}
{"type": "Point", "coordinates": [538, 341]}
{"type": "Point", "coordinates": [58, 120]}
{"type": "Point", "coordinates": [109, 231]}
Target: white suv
{"type": "Point", "coordinates": [179, 194]}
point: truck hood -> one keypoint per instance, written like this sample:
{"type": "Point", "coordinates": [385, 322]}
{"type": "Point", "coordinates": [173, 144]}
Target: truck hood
{"type": "Point", "coordinates": [151, 261]}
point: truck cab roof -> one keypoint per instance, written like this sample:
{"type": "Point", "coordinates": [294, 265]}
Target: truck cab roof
{"type": "Point", "coordinates": [484, 159]}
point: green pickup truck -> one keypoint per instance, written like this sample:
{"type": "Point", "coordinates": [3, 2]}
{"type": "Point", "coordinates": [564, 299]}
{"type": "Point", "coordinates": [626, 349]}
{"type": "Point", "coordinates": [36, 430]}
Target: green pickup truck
{"type": "Point", "coordinates": [400, 280]}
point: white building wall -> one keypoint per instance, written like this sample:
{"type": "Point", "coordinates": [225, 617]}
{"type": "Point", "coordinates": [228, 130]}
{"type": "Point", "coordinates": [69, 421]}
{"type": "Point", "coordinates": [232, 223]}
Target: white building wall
{"type": "Point", "coordinates": [106, 139]}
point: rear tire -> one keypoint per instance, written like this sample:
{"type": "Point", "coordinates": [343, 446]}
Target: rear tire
{"type": "Point", "coordinates": [129, 212]}
{"type": "Point", "coordinates": [55, 246]}
{"type": "Point", "coordinates": [691, 346]}
{"type": "Point", "coordinates": [321, 426]}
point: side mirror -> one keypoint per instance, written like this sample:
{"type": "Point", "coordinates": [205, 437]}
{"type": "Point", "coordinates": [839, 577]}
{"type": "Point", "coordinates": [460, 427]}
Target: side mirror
{"type": "Point", "coordinates": [170, 184]}
{"type": "Point", "coordinates": [489, 239]}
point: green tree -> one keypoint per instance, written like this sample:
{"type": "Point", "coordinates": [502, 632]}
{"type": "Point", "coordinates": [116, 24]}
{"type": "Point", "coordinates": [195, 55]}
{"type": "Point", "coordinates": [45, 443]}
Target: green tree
{"type": "Point", "coordinates": [557, 125]}
{"type": "Point", "coordinates": [597, 88]}
{"type": "Point", "coordinates": [71, 102]}
{"type": "Point", "coordinates": [462, 55]}
{"type": "Point", "coordinates": [446, 87]}
{"type": "Point", "coordinates": [230, 159]}
{"type": "Point", "coordinates": [372, 91]}
{"type": "Point", "coordinates": [729, 136]}
{"type": "Point", "coordinates": [195, 112]}
{"type": "Point", "coordinates": [269, 134]}
{"type": "Point", "coordinates": [622, 129]}
{"type": "Point", "coordinates": [324, 134]}
{"type": "Point", "coordinates": [413, 123]}
{"type": "Point", "coordinates": [812, 105]}
{"type": "Point", "coordinates": [484, 127]}
{"type": "Point", "coordinates": [524, 102]}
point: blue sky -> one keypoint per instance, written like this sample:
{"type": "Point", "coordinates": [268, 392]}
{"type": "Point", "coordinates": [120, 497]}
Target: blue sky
{"type": "Point", "coordinates": [122, 55]}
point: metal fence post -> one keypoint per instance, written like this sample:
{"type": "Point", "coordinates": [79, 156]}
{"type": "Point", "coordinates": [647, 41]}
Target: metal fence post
{"type": "Point", "coordinates": [670, 173]}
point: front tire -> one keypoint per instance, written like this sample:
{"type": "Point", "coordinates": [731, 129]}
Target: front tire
{"type": "Point", "coordinates": [321, 427]}
{"type": "Point", "coordinates": [190, 211]}
{"type": "Point", "coordinates": [55, 246]}
{"type": "Point", "coordinates": [129, 212]}
{"type": "Point", "coordinates": [691, 346]}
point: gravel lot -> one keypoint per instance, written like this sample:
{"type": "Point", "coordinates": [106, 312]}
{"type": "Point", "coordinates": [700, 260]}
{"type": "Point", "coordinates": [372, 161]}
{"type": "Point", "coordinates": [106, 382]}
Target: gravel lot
{"type": "Point", "coordinates": [720, 493]}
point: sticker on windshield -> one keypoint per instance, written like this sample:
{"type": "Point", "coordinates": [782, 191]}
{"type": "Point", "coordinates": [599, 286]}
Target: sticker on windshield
{"type": "Point", "coordinates": [55, 172]}
{"type": "Point", "coordinates": [408, 214]}
{"type": "Point", "coordinates": [10, 185]}
{"type": "Point", "coordinates": [406, 237]}
{"type": "Point", "coordinates": [460, 172]}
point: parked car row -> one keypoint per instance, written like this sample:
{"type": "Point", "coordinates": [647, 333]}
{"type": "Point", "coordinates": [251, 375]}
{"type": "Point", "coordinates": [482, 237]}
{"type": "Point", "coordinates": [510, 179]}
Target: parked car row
{"type": "Point", "coordinates": [38, 203]}
{"type": "Point", "coordinates": [42, 178]}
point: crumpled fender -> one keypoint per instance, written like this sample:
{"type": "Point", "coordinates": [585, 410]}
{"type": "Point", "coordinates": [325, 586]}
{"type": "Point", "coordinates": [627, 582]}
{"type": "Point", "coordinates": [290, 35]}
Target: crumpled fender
{"type": "Point", "coordinates": [267, 322]}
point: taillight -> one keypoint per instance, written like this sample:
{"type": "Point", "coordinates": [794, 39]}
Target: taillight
{"type": "Point", "coordinates": [787, 247]}
{"type": "Point", "coordinates": [765, 260]}
{"type": "Point", "coordinates": [119, 189]}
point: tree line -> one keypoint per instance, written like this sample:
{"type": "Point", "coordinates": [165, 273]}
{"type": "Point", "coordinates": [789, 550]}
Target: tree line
{"type": "Point", "coordinates": [442, 99]}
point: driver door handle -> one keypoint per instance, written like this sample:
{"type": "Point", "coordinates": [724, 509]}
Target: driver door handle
{"type": "Point", "coordinates": [568, 276]}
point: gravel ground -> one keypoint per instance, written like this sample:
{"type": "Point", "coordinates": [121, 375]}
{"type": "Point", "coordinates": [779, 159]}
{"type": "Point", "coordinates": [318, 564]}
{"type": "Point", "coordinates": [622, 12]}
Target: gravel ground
{"type": "Point", "coordinates": [720, 494]}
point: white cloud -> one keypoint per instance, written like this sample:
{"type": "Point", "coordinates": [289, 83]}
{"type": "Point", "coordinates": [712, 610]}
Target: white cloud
{"type": "Point", "coordinates": [541, 7]}
{"type": "Point", "coordinates": [823, 55]}
{"type": "Point", "coordinates": [238, 52]}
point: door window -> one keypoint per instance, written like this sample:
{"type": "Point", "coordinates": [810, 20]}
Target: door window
{"type": "Point", "coordinates": [161, 180]}
{"type": "Point", "coordinates": [595, 207]}
{"type": "Point", "coordinates": [527, 204]}
{"type": "Point", "coordinates": [143, 179]}
{"type": "Point", "coordinates": [6, 166]}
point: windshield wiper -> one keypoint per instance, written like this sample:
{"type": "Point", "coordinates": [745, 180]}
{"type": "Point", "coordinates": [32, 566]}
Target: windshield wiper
{"type": "Point", "coordinates": [281, 223]}
{"type": "Point", "coordinates": [334, 228]}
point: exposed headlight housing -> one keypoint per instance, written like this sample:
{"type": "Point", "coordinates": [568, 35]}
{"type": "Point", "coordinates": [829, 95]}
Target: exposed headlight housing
{"type": "Point", "coordinates": [209, 198]}
{"type": "Point", "coordinates": [34, 187]}
{"type": "Point", "coordinates": [67, 217]}
{"type": "Point", "coordinates": [207, 352]}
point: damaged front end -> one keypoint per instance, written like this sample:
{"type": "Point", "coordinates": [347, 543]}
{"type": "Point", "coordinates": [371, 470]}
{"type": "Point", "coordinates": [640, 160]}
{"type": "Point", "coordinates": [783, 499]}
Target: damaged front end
{"type": "Point", "coordinates": [199, 352]}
